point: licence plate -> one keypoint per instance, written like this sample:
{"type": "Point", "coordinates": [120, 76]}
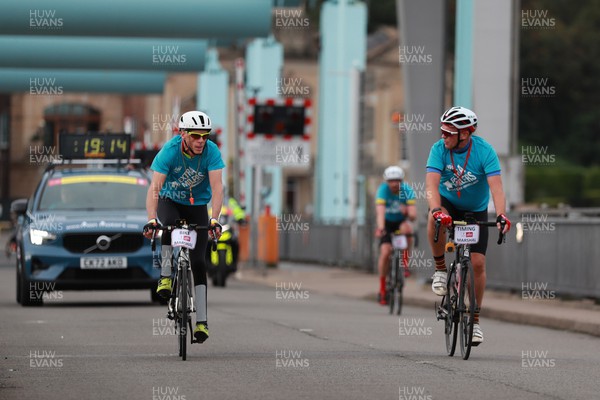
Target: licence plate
{"type": "Point", "coordinates": [103, 262]}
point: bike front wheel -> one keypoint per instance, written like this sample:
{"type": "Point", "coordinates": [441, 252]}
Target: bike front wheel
{"type": "Point", "coordinates": [467, 309]}
{"type": "Point", "coordinates": [395, 286]}
{"type": "Point", "coordinates": [449, 307]}
{"type": "Point", "coordinates": [183, 314]}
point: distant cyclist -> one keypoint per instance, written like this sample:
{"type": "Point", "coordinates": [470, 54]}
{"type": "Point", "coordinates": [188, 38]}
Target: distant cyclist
{"type": "Point", "coordinates": [394, 208]}
{"type": "Point", "coordinates": [461, 171]}
{"type": "Point", "coordinates": [187, 174]}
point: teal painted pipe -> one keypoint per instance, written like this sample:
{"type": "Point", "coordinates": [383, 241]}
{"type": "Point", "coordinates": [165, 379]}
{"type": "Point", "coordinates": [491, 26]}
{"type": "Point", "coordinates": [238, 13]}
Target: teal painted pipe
{"type": "Point", "coordinates": [343, 47]}
{"type": "Point", "coordinates": [57, 82]}
{"type": "Point", "coordinates": [137, 18]}
{"type": "Point", "coordinates": [212, 97]}
{"type": "Point", "coordinates": [102, 53]}
{"type": "Point", "coordinates": [463, 60]}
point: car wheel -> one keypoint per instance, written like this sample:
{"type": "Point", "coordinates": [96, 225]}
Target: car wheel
{"type": "Point", "coordinates": [221, 274]}
{"type": "Point", "coordinates": [29, 297]}
{"type": "Point", "coordinates": [18, 274]}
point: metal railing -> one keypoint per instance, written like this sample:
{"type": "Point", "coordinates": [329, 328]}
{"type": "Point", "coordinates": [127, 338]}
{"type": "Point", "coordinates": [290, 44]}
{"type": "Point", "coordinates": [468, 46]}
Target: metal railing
{"type": "Point", "coordinates": [555, 256]}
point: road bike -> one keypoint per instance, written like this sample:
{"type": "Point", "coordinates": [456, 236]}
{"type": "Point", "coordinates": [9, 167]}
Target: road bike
{"type": "Point", "coordinates": [398, 270]}
{"type": "Point", "coordinates": [181, 304]}
{"type": "Point", "coordinates": [459, 305]}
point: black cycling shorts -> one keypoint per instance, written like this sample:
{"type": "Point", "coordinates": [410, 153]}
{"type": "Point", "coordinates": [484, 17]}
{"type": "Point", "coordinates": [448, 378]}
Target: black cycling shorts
{"type": "Point", "coordinates": [390, 227]}
{"type": "Point", "coordinates": [459, 215]}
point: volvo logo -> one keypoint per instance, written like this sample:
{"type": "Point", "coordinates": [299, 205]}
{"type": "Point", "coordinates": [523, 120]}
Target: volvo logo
{"type": "Point", "coordinates": [103, 242]}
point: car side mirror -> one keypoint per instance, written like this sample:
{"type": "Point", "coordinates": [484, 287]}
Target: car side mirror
{"type": "Point", "coordinates": [19, 207]}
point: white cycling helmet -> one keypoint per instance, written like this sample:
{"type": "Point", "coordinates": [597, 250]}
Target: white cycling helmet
{"type": "Point", "coordinates": [195, 120]}
{"type": "Point", "coordinates": [393, 173]}
{"type": "Point", "coordinates": [460, 118]}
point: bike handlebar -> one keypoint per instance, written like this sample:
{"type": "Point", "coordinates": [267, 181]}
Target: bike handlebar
{"type": "Point", "coordinates": [191, 227]}
{"type": "Point", "coordinates": [501, 236]}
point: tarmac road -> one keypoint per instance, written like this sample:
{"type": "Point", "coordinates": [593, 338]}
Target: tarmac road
{"type": "Point", "coordinates": [116, 345]}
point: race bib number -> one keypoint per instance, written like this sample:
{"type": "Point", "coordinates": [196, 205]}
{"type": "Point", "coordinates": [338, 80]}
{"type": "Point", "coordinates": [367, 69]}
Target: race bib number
{"type": "Point", "coordinates": [399, 242]}
{"type": "Point", "coordinates": [467, 234]}
{"type": "Point", "coordinates": [183, 238]}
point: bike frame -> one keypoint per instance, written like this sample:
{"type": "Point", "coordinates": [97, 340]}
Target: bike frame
{"type": "Point", "coordinates": [453, 309]}
{"type": "Point", "coordinates": [182, 286]}
{"type": "Point", "coordinates": [398, 264]}
{"type": "Point", "coordinates": [175, 304]}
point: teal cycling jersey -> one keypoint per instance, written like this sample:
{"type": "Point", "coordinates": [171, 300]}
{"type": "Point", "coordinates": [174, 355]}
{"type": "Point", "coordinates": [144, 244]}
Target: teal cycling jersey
{"type": "Point", "coordinates": [187, 177]}
{"type": "Point", "coordinates": [467, 189]}
{"type": "Point", "coordinates": [393, 201]}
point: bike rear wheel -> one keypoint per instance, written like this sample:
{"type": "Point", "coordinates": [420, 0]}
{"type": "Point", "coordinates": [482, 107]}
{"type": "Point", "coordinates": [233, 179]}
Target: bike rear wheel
{"type": "Point", "coordinates": [449, 306]}
{"type": "Point", "coordinates": [467, 307]}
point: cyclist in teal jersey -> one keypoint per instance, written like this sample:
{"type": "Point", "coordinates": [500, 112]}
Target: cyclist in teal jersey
{"type": "Point", "coordinates": [462, 170]}
{"type": "Point", "coordinates": [394, 208]}
{"type": "Point", "coordinates": [187, 174]}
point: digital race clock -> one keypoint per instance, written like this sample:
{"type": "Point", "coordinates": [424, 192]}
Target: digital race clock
{"type": "Point", "coordinates": [95, 145]}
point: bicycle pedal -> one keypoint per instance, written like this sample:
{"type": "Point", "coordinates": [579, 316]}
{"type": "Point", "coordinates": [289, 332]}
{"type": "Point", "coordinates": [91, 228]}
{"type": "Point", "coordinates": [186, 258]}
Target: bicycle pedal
{"type": "Point", "coordinates": [170, 316]}
{"type": "Point", "coordinates": [441, 314]}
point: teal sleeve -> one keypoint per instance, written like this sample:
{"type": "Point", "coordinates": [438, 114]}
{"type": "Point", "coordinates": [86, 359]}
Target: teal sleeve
{"type": "Point", "coordinates": [436, 159]}
{"type": "Point", "coordinates": [380, 197]}
{"type": "Point", "coordinates": [160, 162]}
{"type": "Point", "coordinates": [491, 164]}
{"type": "Point", "coordinates": [215, 161]}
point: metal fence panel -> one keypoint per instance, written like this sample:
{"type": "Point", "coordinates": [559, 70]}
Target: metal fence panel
{"type": "Point", "coordinates": [562, 254]}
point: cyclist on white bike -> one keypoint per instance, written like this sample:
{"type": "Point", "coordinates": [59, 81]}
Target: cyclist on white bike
{"type": "Point", "coordinates": [394, 207]}
{"type": "Point", "coordinates": [187, 173]}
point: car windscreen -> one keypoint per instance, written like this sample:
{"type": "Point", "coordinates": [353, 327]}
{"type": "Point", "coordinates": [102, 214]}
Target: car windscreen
{"type": "Point", "coordinates": [94, 192]}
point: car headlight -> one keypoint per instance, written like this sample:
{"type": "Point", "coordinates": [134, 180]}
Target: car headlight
{"type": "Point", "coordinates": [38, 237]}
